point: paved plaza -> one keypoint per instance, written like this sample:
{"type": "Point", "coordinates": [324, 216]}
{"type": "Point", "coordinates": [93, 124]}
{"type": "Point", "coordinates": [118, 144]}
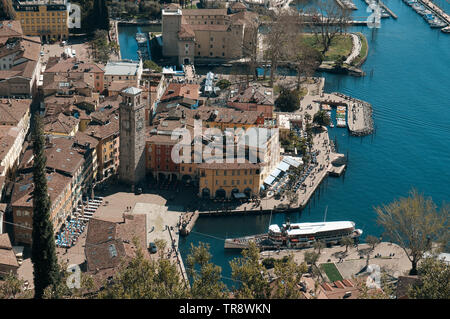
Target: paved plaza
{"type": "Point", "coordinates": [395, 265]}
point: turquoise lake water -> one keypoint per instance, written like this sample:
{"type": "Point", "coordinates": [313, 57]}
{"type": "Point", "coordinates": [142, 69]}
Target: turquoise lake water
{"type": "Point", "coordinates": [408, 85]}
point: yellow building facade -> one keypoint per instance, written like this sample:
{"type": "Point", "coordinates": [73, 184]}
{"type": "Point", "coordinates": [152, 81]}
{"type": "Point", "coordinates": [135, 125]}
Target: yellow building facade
{"type": "Point", "coordinates": [222, 180]}
{"type": "Point", "coordinates": [44, 19]}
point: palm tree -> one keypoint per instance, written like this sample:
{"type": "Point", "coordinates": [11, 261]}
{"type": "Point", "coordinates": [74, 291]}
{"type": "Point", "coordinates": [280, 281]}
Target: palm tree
{"type": "Point", "coordinates": [321, 118]}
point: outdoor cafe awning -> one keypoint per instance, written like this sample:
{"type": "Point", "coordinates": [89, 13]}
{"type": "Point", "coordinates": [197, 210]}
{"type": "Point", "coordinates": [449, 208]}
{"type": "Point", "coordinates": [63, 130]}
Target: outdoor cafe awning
{"type": "Point", "coordinates": [283, 166]}
{"type": "Point", "coordinates": [275, 172]}
{"type": "Point", "coordinates": [293, 162]}
{"type": "Point", "coordinates": [269, 180]}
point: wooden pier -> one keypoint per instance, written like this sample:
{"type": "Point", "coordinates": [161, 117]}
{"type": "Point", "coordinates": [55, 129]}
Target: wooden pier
{"type": "Point", "coordinates": [387, 9]}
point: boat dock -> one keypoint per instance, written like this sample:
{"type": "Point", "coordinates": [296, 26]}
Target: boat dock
{"type": "Point", "coordinates": [359, 113]}
{"type": "Point", "coordinates": [385, 7]}
{"type": "Point", "coordinates": [436, 10]}
{"type": "Point", "coordinates": [187, 222]}
{"type": "Point", "coordinates": [386, 14]}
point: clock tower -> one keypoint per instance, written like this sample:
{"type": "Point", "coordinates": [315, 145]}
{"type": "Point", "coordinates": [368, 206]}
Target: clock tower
{"type": "Point", "coordinates": [132, 137]}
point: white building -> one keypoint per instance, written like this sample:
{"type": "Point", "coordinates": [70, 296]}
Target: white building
{"type": "Point", "coordinates": [125, 71]}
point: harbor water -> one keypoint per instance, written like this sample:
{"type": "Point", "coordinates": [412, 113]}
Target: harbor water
{"type": "Point", "coordinates": [407, 83]}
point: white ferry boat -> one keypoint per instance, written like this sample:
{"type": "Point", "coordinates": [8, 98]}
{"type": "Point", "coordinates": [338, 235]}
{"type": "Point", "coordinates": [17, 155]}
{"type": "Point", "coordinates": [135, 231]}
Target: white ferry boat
{"type": "Point", "coordinates": [298, 235]}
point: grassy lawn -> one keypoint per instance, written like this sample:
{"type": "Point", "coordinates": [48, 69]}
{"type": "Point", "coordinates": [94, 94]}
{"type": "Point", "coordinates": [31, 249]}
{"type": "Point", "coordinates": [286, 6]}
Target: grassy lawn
{"type": "Point", "coordinates": [364, 48]}
{"type": "Point", "coordinates": [341, 45]}
{"type": "Point", "coordinates": [331, 271]}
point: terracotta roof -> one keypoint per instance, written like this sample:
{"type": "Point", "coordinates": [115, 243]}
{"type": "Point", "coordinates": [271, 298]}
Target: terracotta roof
{"type": "Point", "coordinates": [186, 31]}
{"type": "Point", "coordinates": [10, 28]}
{"type": "Point", "coordinates": [22, 194]}
{"type": "Point", "coordinates": [63, 157]}
{"type": "Point", "coordinates": [225, 115]}
{"type": "Point", "coordinates": [60, 123]}
{"type": "Point", "coordinates": [108, 243]}
{"type": "Point", "coordinates": [7, 255]}
{"type": "Point", "coordinates": [118, 86]}
{"type": "Point", "coordinates": [204, 12]}
{"type": "Point", "coordinates": [5, 243]}
{"type": "Point", "coordinates": [105, 130]}
{"type": "Point", "coordinates": [30, 50]}
{"type": "Point", "coordinates": [253, 94]}
{"type": "Point", "coordinates": [27, 68]}
{"type": "Point", "coordinates": [83, 138]}
{"type": "Point", "coordinates": [113, 101]}
{"type": "Point", "coordinates": [337, 290]}
{"type": "Point", "coordinates": [72, 65]}
{"type": "Point", "coordinates": [184, 90]}
{"type": "Point", "coordinates": [13, 110]}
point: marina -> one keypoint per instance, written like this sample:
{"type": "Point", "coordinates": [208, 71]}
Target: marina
{"type": "Point", "coordinates": [432, 14]}
{"type": "Point", "coordinates": [392, 97]}
{"type": "Point", "coordinates": [352, 113]}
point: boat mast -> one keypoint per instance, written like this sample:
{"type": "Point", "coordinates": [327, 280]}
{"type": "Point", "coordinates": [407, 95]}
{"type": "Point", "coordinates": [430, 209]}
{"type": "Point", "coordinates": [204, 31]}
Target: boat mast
{"type": "Point", "coordinates": [325, 216]}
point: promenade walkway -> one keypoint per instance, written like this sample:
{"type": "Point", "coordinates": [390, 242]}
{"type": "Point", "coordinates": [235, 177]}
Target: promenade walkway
{"type": "Point", "coordinates": [392, 258]}
{"type": "Point", "coordinates": [356, 49]}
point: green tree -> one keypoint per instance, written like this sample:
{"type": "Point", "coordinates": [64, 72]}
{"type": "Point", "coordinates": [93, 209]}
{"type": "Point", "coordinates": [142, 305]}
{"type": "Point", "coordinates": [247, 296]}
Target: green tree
{"type": "Point", "coordinates": [347, 241]}
{"type": "Point", "coordinates": [62, 291]}
{"type": "Point", "coordinates": [319, 245]}
{"type": "Point", "coordinates": [206, 277]}
{"type": "Point", "coordinates": [11, 286]}
{"type": "Point", "coordinates": [372, 241]}
{"type": "Point", "coordinates": [43, 250]}
{"type": "Point", "coordinates": [288, 100]}
{"type": "Point", "coordinates": [288, 277]}
{"type": "Point", "coordinates": [160, 244]}
{"type": "Point", "coordinates": [434, 280]}
{"type": "Point", "coordinates": [149, 64]}
{"type": "Point", "coordinates": [414, 223]}
{"type": "Point", "coordinates": [223, 84]}
{"type": "Point", "coordinates": [100, 46]}
{"type": "Point", "coordinates": [250, 275]}
{"type": "Point", "coordinates": [141, 278]}
{"type": "Point", "coordinates": [321, 118]}
{"type": "Point", "coordinates": [311, 258]}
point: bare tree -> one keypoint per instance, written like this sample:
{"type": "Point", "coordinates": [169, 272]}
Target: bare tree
{"type": "Point", "coordinates": [280, 32]}
{"type": "Point", "coordinates": [250, 45]}
{"type": "Point", "coordinates": [306, 59]}
{"type": "Point", "coordinates": [326, 20]}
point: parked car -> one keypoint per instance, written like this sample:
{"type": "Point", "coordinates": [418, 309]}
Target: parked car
{"type": "Point", "coordinates": [153, 249]}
